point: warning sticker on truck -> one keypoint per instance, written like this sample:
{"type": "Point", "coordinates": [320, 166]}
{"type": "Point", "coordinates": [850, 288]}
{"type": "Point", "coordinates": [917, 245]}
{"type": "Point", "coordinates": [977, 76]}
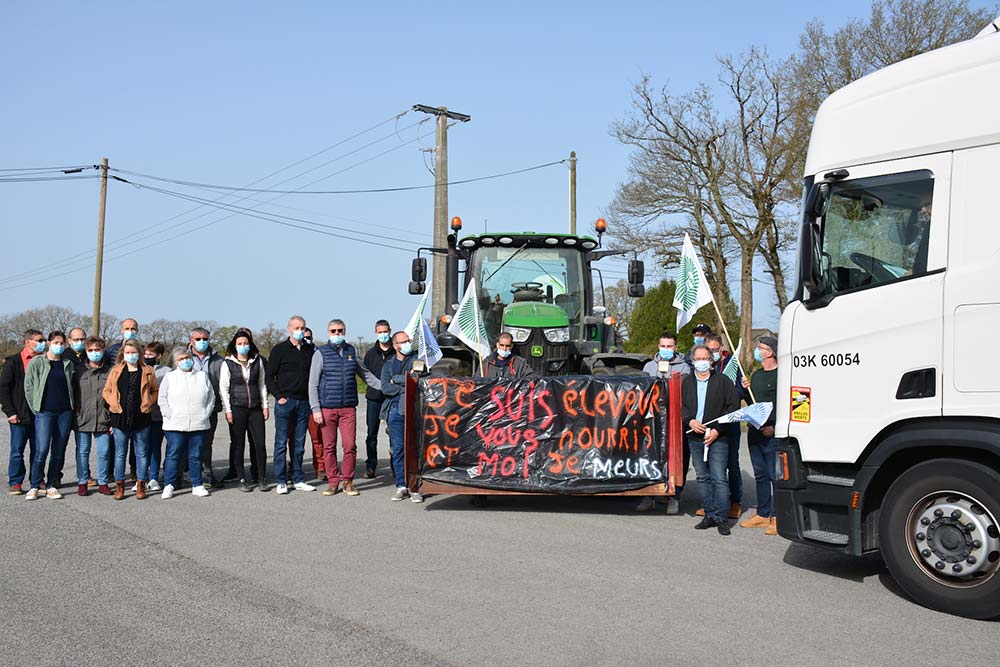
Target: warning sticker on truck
{"type": "Point", "coordinates": [801, 404]}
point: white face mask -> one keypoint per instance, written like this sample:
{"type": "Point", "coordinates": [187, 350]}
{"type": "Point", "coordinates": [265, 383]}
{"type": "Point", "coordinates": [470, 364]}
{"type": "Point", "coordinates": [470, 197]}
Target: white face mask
{"type": "Point", "coordinates": [702, 366]}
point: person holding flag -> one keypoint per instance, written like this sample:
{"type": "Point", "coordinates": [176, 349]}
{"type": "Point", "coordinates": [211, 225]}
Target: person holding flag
{"type": "Point", "coordinates": [760, 440]}
{"type": "Point", "coordinates": [394, 374]}
{"type": "Point", "coordinates": [504, 363]}
{"type": "Point", "coordinates": [728, 365]}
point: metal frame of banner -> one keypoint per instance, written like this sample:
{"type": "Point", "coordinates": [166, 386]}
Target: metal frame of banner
{"type": "Point", "coordinates": [675, 455]}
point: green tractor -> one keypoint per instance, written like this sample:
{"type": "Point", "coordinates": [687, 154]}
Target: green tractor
{"type": "Point", "coordinates": [539, 288]}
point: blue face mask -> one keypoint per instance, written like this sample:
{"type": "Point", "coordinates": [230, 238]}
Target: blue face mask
{"type": "Point", "coordinates": [131, 358]}
{"type": "Point", "coordinates": [200, 345]}
{"type": "Point", "coordinates": [77, 345]}
{"type": "Point", "coordinates": [716, 356]}
{"type": "Point", "coordinates": [699, 340]}
{"type": "Point", "coordinates": [185, 364]}
{"type": "Point", "coordinates": [95, 356]}
{"type": "Point", "coordinates": [757, 356]}
{"type": "Point", "coordinates": [703, 366]}
{"type": "Point", "coordinates": [243, 349]}
{"type": "Point", "coordinates": [337, 339]}
{"type": "Point", "coordinates": [299, 334]}
{"type": "Point", "coordinates": [40, 347]}
{"type": "Point", "coordinates": [503, 354]}
{"type": "Point", "coordinates": [406, 348]}
{"type": "Point", "coordinates": [383, 338]}
{"type": "Point", "coordinates": [129, 335]}
{"type": "Point", "coordinates": [666, 355]}
{"type": "Point", "coordinates": [56, 349]}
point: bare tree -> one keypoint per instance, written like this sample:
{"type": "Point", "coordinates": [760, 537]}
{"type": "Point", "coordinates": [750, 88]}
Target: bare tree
{"type": "Point", "coordinates": [620, 305]}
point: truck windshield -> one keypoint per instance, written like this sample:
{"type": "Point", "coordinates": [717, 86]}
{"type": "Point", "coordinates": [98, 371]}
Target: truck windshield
{"type": "Point", "coordinates": [875, 230]}
{"type": "Point", "coordinates": [514, 274]}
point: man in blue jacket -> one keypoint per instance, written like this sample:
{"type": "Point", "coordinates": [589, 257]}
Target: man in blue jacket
{"type": "Point", "coordinates": [333, 399]}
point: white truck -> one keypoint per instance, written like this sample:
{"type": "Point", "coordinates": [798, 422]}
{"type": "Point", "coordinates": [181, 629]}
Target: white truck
{"type": "Point", "coordinates": [888, 413]}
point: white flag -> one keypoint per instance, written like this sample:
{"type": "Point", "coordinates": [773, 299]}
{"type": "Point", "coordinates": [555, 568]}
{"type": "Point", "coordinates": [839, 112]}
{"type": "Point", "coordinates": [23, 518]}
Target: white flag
{"type": "Point", "coordinates": [413, 326]}
{"type": "Point", "coordinates": [732, 367]}
{"type": "Point", "coordinates": [430, 351]}
{"type": "Point", "coordinates": [755, 414]}
{"type": "Point", "coordinates": [468, 325]}
{"type": "Point", "coordinates": [692, 290]}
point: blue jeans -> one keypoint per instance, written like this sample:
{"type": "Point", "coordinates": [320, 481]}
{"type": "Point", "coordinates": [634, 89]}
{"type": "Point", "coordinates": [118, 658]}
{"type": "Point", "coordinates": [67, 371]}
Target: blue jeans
{"type": "Point", "coordinates": [20, 435]}
{"type": "Point", "coordinates": [83, 444]}
{"type": "Point", "coordinates": [141, 439]}
{"type": "Point", "coordinates": [155, 449]}
{"type": "Point", "coordinates": [397, 436]}
{"type": "Point", "coordinates": [371, 442]}
{"type": "Point", "coordinates": [762, 452]}
{"type": "Point", "coordinates": [712, 476]}
{"type": "Point", "coordinates": [51, 435]}
{"type": "Point", "coordinates": [179, 444]}
{"type": "Point", "coordinates": [292, 411]}
{"type": "Point", "coordinates": [735, 474]}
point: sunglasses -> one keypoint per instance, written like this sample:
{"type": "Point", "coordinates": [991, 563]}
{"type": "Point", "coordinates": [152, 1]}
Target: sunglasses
{"type": "Point", "coordinates": [336, 331]}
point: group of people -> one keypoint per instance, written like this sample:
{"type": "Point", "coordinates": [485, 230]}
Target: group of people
{"type": "Point", "coordinates": [708, 394]}
{"type": "Point", "coordinates": [122, 401]}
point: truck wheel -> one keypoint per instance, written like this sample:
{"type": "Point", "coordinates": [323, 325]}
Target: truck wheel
{"type": "Point", "coordinates": [940, 538]}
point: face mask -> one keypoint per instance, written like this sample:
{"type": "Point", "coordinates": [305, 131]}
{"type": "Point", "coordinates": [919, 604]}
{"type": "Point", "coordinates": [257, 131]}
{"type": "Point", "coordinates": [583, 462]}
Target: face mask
{"type": "Point", "coordinates": [383, 338]}
{"type": "Point", "coordinates": [40, 346]}
{"type": "Point", "coordinates": [56, 349]}
{"type": "Point", "coordinates": [503, 354]}
{"type": "Point", "coordinates": [757, 356]}
{"type": "Point", "coordinates": [185, 364]}
{"type": "Point", "coordinates": [307, 340]}
{"type": "Point", "coordinates": [699, 340]}
{"type": "Point", "coordinates": [96, 356]}
{"type": "Point", "coordinates": [243, 349]}
{"type": "Point", "coordinates": [130, 335]}
{"type": "Point", "coordinates": [666, 355]}
{"type": "Point", "coordinates": [299, 334]}
{"type": "Point", "coordinates": [703, 366]}
{"type": "Point", "coordinates": [131, 358]}
{"type": "Point", "coordinates": [149, 362]}
{"type": "Point", "coordinates": [200, 345]}
{"type": "Point", "coordinates": [77, 345]}
{"type": "Point", "coordinates": [716, 356]}
{"type": "Point", "coordinates": [337, 339]}
{"type": "Point", "coordinates": [406, 348]}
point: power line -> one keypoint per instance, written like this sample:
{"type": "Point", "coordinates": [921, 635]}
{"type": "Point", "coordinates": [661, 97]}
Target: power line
{"type": "Point", "coordinates": [209, 186]}
{"type": "Point", "coordinates": [65, 168]}
{"type": "Point", "coordinates": [45, 179]}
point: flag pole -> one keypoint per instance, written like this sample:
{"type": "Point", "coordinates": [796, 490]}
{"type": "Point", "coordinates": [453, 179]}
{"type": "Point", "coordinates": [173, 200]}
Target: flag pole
{"type": "Point", "coordinates": [479, 345]}
{"type": "Point", "coordinates": [732, 347]}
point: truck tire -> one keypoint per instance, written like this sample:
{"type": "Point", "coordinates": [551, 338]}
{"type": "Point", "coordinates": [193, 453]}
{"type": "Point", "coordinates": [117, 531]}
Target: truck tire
{"type": "Point", "coordinates": [938, 534]}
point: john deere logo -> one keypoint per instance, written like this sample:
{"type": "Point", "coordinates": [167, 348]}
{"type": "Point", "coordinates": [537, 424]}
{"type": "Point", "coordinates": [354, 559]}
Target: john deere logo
{"type": "Point", "coordinates": [537, 351]}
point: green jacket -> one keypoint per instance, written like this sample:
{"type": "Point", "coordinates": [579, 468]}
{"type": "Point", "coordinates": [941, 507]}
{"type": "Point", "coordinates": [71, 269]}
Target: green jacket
{"type": "Point", "coordinates": [37, 374]}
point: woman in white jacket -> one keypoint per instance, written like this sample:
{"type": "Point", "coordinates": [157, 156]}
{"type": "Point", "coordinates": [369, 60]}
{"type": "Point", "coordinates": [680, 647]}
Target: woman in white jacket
{"type": "Point", "coordinates": [187, 402]}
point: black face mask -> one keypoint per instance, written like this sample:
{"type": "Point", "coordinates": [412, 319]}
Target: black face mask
{"type": "Point", "coordinates": [149, 362]}
{"type": "Point", "coordinates": [307, 340]}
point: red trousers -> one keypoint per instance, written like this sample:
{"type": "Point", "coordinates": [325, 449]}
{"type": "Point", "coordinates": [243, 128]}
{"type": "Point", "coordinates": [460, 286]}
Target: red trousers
{"type": "Point", "coordinates": [343, 420]}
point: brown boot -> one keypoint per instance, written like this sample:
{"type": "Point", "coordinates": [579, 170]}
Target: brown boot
{"type": "Point", "coordinates": [700, 512]}
{"type": "Point", "coordinates": [756, 521]}
{"type": "Point", "coordinates": [349, 488]}
{"type": "Point", "coordinates": [120, 490]}
{"type": "Point", "coordinates": [140, 490]}
{"type": "Point", "coordinates": [735, 511]}
{"type": "Point", "coordinates": [772, 527]}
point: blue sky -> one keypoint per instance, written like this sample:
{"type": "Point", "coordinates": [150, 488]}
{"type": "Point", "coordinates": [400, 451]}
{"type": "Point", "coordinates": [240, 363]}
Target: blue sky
{"type": "Point", "coordinates": [227, 92]}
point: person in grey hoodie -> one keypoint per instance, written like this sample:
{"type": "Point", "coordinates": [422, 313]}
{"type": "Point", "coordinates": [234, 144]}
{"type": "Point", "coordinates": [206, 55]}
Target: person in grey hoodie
{"type": "Point", "coordinates": [93, 421]}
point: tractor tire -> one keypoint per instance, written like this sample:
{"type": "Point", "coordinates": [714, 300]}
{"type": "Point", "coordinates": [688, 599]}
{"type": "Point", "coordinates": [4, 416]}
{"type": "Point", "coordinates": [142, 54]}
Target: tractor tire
{"type": "Point", "coordinates": [940, 538]}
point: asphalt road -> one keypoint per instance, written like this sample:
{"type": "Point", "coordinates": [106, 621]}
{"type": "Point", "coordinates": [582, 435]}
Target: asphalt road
{"type": "Point", "coordinates": [255, 579]}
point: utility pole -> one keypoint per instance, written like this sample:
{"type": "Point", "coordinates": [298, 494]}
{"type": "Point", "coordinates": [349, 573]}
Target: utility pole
{"type": "Point", "coordinates": [96, 322]}
{"type": "Point", "coordinates": [438, 273]}
{"type": "Point", "coordinates": [572, 192]}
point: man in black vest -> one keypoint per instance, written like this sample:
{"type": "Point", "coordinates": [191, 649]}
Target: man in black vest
{"type": "Point", "coordinates": [333, 399]}
{"type": "Point", "coordinates": [375, 359]}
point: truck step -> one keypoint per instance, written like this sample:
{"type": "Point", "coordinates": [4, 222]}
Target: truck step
{"type": "Point", "coordinates": [831, 479]}
{"type": "Point", "coordinates": [825, 536]}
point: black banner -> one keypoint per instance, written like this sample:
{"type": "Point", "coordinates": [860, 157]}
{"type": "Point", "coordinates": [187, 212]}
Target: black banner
{"type": "Point", "coordinates": [575, 434]}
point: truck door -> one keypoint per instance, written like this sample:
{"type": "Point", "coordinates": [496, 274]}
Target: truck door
{"type": "Point", "coordinates": [866, 348]}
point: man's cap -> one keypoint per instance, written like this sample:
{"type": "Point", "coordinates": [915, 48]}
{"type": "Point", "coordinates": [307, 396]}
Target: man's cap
{"type": "Point", "coordinates": [702, 328]}
{"type": "Point", "coordinates": [771, 342]}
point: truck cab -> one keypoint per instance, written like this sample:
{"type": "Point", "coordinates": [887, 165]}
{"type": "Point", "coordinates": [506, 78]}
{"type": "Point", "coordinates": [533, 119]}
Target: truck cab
{"type": "Point", "coordinates": [888, 413]}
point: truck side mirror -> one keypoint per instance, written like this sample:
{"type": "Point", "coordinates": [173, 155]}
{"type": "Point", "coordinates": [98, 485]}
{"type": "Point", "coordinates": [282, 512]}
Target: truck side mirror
{"type": "Point", "coordinates": [637, 291]}
{"type": "Point", "coordinates": [417, 287]}
{"type": "Point", "coordinates": [418, 272]}
{"type": "Point", "coordinates": [636, 272]}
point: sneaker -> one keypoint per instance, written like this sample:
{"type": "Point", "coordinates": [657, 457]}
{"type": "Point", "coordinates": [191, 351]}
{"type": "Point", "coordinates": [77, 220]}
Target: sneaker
{"type": "Point", "coordinates": [370, 474]}
{"type": "Point", "coordinates": [153, 485]}
{"type": "Point", "coordinates": [772, 526]}
{"type": "Point", "coordinates": [281, 489]}
{"type": "Point", "coordinates": [349, 488]}
{"type": "Point", "coordinates": [33, 493]}
{"type": "Point", "coordinates": [401, 493]}
{"type": "Point", "coordinates": [53, 493]}
{"type": "Point", "coordinates": [416, 497]}
{"type": "Point", "coordinates": [331, 490]}
{"type": "Point", "coordinates": [645, 504]}
{"type": "Point", "coordinates": [756, 521]}
{"type": "Point", "coordinates": [673, 506]}
{"type": "Point", "coordinates": [135, 487]}
{"type": "Point", "coordinates": [168, 492]}
{"type": "Point", "coordinates": [245, 486]}
{"type": "Point", "coordinates": [200, 491]}
{"type": "Point", "coordinates": [302, 486]}
{"type": "Point", "coordinates": [15, 490]}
